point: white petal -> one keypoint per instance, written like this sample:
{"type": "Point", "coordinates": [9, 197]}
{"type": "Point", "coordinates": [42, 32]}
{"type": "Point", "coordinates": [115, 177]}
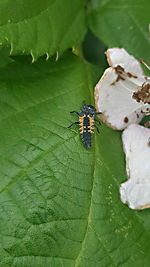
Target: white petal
{"type": "Point", "coordinates": [116, 102]}
{"type": "Point", "coordinates": [136, 191]}
{"type": "Point", "coordinates": [119, 56]}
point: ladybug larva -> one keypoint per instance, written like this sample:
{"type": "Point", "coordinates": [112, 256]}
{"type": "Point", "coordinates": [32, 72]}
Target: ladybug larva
{"type": "Point", "coordinates": [86, 123]}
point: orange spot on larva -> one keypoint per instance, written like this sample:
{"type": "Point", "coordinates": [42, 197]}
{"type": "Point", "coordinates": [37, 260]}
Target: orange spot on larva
{"type": "Point", "coordinates": [81, 123]}
{"type": "Point", "coordinates": [91, 124]}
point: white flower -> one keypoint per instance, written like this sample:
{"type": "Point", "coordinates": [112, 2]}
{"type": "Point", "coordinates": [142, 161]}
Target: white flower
{"type": "Point", "coordinates": [136, 191]}
{"type": "Point", "coordinates": [114, 92]}
{"type": "Point", "coordinates": [123, 96]}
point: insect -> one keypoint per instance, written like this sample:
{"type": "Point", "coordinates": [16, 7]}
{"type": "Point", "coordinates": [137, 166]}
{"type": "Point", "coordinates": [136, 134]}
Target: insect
{"type": "Point", "coordinates": [86, 123]}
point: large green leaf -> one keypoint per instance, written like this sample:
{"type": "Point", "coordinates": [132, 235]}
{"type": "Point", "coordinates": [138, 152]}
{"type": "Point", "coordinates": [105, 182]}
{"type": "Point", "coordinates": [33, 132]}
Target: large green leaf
{"type": "Point", "coordinates": [122, 23]}
{"type": "Point", "coordinates": [41, 27]}
{"type": "Point", "coordinates": [59, 203]}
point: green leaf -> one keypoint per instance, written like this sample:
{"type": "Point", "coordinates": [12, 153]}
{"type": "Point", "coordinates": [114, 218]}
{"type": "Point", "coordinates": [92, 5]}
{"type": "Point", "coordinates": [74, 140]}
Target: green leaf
{"type": "Point", "coordinates": [59, 203]}
{"type": "Point", "coordinates": [122, 24]}
{"type": "Point", "coordinates": [41, 27]}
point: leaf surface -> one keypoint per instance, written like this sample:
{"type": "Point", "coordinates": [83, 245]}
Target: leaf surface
{"type": "Point", "coordinates": [59, 203]}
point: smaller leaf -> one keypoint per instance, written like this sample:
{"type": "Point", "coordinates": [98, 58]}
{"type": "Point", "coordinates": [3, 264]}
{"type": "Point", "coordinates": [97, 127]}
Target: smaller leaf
{"type": "Point", "coordinates": [122, 23]}
{"type": "Point", "coordinates": [43, 27]}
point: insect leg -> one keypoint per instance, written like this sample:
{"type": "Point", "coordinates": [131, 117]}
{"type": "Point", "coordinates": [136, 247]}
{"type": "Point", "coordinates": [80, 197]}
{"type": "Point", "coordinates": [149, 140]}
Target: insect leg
{"type": "Point", "coordinates": [75, 112]}
{"type": "Point", "coordinates": [76, 122]}
{"type": "Point", "coordinates": [96, 128]}
{"type": "Point", "coordinates": [96, 113]}
{"type": "Point", "coordinates": [98, 121]}
{"type": "Point", "coordinates": [84, 105]}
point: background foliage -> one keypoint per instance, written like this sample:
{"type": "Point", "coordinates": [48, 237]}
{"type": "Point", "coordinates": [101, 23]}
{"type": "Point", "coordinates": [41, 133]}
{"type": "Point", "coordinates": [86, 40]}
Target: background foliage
{"type": "Point", "coordinates": [59, 203]}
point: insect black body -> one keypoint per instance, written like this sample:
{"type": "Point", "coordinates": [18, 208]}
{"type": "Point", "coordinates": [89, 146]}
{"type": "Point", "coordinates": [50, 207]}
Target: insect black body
{"type": "Point", "coordinates": [86, 123]}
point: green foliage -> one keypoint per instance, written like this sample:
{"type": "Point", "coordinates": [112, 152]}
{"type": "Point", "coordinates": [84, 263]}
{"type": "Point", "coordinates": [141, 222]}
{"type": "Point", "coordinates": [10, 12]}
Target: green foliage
{"type": "Point", "coordinates": [122, 23]}
{"type": "Point", "coordinates": [59, 203]}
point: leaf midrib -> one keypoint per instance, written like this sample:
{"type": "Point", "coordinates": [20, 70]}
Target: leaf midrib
{"type": "Point", "coordinates": [81, 252]}
{"type": "Point", "coordinates": [78, 259]}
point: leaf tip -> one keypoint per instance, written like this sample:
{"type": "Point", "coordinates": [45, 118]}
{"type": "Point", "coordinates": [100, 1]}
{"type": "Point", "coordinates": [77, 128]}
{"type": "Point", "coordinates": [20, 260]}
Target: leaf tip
{"type": "Point", "coordinates": [47, 56]}
{"type": "Point", "coordinates": [11, 49]}
{"type": "Point", "coordinates": [33, 58]}
{"type": "Point", "coordinates": [57, 56]}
